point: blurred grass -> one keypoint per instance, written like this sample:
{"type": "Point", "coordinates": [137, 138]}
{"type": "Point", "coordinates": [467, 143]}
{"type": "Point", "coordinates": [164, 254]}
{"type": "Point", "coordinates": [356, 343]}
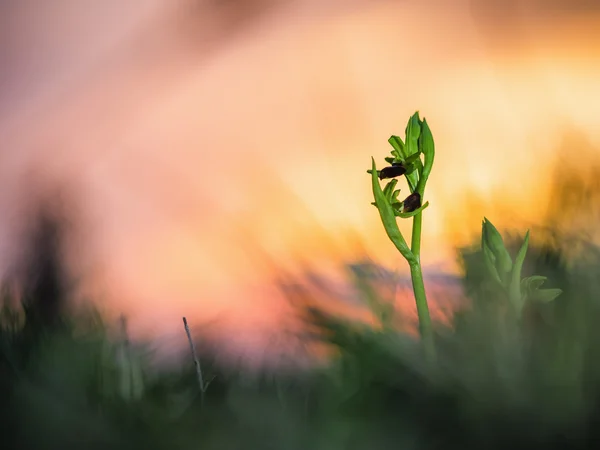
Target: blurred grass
{"type": "Point", "coordinates": [69, 380]}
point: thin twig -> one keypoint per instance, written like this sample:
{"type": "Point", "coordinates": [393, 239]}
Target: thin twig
{"type": "Point", "coordinates": [125, 346]}
{"type": "Point", "coordinates": [196, 361]}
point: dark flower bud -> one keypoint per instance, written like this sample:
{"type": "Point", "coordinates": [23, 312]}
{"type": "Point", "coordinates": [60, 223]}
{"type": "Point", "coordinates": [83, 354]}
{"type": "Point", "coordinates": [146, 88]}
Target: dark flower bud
{"type": "Point", "coordinates": [412, 202]}
{"type": "Point", "coordinates": [395, 170]}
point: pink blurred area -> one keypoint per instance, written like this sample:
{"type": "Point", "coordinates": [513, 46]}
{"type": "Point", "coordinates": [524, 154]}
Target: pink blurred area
{"type": "Point", "coordinates": [196, 137]}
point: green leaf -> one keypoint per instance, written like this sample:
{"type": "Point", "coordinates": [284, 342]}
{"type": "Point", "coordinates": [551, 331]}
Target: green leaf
{"type": "Point", "coordinates": [489, 261]}
{"type": "Point", "coordinates": [412, 169]}
{"type": "Point", "coordinates": [427, 147]}
{"type": "Point", "coordinates": [488, 257]}
{"type": "Point", "coordinates": [545, 295]}
{"type": "Point", "coordinates": [413, 132]}
{"type": "Point", "coordinates": [520, 259]}
{"type": "Point", "coordinates": [496, 244]}
{"type": "Point", "coordinates": [413, 164]}
{"type": "Point", "coordinates": [530, 288]}
{"type": "Point", "coordinates": [406, 215]}
{"type": "Point", "coordinates": [399, 150]}
{"type": "Point", "coordinates": [388, 217]}
{"type": "Point", "coordinates": [412, 159]}
{"type": "Point", "coordinates": [515, 283]}
{"type": "Point", "coordinates": [388, 190]}
{"type": "Point", "coordinates": [532, 283]}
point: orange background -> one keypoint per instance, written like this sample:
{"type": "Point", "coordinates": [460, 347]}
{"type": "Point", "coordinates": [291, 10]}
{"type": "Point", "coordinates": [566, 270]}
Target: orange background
{"type": "Point", "coordinates": [196, 139]}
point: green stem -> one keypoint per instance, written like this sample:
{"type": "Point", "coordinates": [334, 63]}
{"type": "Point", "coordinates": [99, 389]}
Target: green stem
{"type": "Point", "coordinates": [416, 275]}
{"type": "Point", "coordinates": [415, 244]}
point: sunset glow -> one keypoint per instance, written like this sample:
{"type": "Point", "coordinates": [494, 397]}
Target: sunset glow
{"type": "Point", "coordinates": [194, 154]}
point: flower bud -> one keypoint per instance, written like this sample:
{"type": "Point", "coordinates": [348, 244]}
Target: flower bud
{"type": "Point", "coordinates": [395, 170]}
{"type": "Point", "coordinates": [412, 202]}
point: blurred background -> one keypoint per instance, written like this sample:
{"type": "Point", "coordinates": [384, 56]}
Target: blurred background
{"type": "Point", "coordinates": [201, 147]}
{"type": "Point", "coordinates": [207, 159]}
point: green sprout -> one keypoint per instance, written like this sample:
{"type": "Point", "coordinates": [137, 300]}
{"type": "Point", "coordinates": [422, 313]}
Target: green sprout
{"type": "Point", "coordinates": [506, 275]}
{"type": "Point", "coordinates": [405, 160]}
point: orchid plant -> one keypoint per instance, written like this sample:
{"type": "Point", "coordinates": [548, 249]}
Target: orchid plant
{"type": "Point", "coordinates": [413, 159]}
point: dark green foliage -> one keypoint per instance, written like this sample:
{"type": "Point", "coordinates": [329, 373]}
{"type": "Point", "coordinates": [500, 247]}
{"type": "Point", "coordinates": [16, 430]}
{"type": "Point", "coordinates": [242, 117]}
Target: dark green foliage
{"type": "Point", "coordinates": [499, 381]}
